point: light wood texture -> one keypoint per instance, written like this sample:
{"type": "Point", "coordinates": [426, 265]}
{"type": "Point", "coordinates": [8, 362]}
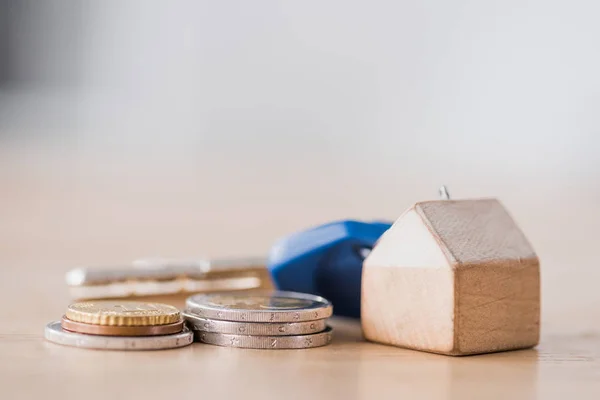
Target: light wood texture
{"type": "Point", "coordinates": [453, 277]}
{"type": "Point", "coordinates": [58, 213]}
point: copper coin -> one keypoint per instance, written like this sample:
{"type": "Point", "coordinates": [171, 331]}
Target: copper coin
{"type": "Point", "coordinates": [106, 330]}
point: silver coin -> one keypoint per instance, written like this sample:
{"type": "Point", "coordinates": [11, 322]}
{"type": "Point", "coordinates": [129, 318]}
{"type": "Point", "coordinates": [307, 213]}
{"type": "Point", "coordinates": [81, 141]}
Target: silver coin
{"type": "Point", "coordinates": [54, 333]}
{"type": "Point", "coordinates": [260, 306]}
{"type": "Point", "coordinates": [266, 342]}
{"type": "Point", "coordinates": [197, 323]}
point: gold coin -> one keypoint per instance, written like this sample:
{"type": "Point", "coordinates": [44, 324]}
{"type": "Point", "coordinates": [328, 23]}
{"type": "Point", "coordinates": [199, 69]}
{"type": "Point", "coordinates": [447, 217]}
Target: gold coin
{"type": "Point", "coordinates": [123, 313]}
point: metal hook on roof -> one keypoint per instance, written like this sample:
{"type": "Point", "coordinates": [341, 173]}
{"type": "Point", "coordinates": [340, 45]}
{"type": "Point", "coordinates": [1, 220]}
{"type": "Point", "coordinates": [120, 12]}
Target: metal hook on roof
{"type": "Point", "coordinates": [444, 194]}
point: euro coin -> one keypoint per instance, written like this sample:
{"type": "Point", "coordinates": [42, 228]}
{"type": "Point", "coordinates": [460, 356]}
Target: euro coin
{"type": "Point", "coordinates": [54, 333]}
{"type": "Point", "coordinates": [197, 323]}
{"type": "Point", "coordinates": [260, 306]}
{"type": "Point", "coordinates": [123, 313]}
{"type": "Point", "coordinates": [266, 342]}
{"type": "Point", "coordinates": [108, 330]}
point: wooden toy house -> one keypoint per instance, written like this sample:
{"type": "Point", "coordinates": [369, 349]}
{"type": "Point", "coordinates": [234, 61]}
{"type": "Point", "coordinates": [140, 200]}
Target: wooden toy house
{"type": "Point", "coordinates": [454, 277]}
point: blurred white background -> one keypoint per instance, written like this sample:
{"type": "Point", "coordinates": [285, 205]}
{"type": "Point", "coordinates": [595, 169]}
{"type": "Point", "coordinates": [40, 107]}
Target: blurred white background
{"type": "Point", "coordinates": [142, 128]}
{"type": "Point", "coordinates": [495, 88]}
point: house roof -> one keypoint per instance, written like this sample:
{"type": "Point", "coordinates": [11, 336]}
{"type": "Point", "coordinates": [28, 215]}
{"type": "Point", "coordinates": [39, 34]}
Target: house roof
{"type": "Point", "coordinates": [475, 231]}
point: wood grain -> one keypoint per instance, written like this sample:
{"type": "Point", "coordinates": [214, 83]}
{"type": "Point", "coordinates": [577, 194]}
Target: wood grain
{"type": "Point", "coordinates": [453, 277]}
{"type": "Point", "coordinates": [51, 222]}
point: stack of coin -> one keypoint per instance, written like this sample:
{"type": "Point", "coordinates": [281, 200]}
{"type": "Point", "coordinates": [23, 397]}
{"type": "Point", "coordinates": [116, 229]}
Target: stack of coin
{"type": "Point", "coordinates": [123, 325]}
{"type": "Point", "coordinates": [267, 320]}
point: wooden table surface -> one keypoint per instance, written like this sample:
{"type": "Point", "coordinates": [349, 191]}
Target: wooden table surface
{"type": "Point", "coordinates": [57, 214]}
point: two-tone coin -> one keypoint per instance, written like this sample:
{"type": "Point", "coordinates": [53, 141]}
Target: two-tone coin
{"type": "Point", "coordinates": [260, 320]}
{"type": "Point", "coordinates": [266, 342]}
{"type": "Point", "coordinates": [54, 333]}
{"type": "Point", "coordinates": [270, 307]}
{"type": "Point", "coordinates": [197, 323]}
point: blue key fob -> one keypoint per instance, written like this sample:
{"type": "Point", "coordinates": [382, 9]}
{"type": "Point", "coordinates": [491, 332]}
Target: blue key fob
{"type": "Point", "coordinates": [327, 261]}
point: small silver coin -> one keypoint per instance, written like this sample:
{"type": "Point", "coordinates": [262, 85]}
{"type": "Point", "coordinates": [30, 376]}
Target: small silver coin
{"type": "Point", "coordinates": [197, 323]}
{"type": "Point", "coordinates": [54, 333]}
{"type": "Point", "coordinates": [260, 306]}
{"type": "Point", "coordinates": [266, 342]}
